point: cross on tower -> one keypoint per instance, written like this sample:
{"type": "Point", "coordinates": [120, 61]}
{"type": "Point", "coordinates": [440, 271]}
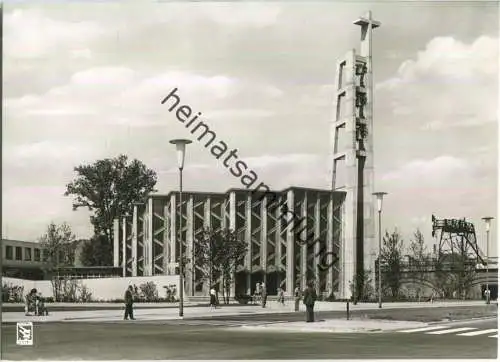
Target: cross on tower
{"type": "Point", "coordinates": [367, 25]}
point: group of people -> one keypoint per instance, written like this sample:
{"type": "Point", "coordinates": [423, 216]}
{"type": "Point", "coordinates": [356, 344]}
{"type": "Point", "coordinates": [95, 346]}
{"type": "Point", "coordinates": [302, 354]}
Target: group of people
{"type": "Point", "coordinates": [308, 296]}
{"type": "Point", "coordinates": [35, 304]}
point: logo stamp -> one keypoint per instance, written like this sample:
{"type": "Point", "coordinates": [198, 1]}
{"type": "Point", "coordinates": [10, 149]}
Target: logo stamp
{"type": "Point", "coordinates": [24, 333]}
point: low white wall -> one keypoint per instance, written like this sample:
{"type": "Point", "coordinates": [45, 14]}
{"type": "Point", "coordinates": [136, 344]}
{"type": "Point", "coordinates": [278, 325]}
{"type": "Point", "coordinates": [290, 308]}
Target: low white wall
{"type": "Point", "coordinates": [43, 286]}
{"type": "Point", "coordinates": [101, 288]}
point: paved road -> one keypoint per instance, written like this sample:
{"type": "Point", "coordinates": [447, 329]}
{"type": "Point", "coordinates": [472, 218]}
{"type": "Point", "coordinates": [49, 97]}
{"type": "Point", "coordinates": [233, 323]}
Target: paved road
{"type": "Point", "coordinates": [218, 339]}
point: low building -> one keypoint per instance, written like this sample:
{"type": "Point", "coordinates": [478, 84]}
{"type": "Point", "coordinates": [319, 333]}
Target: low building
{"type": "Point", "coordinates": [22, 259]}
{"type": "Point", "coordinates": [26, 260]}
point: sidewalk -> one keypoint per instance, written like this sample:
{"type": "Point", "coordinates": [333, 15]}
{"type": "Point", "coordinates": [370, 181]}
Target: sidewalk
{"type": "Point", "coordinates": [163, 313]}
{"type": "Point", "coordinates": [149, 314]}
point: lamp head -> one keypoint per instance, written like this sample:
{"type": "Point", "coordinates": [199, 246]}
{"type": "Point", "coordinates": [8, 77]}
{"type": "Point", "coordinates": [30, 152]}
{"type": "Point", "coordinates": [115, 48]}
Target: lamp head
{"type": "Point", "coordinates": [380, 197]}
{"type": "Point", "coordinates": [180, 146]}
{"type": "Point", "coordinates": [487, 221]}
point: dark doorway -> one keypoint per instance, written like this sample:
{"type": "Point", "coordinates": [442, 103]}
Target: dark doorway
{"type": "Point", "coordinates": [241, 282]}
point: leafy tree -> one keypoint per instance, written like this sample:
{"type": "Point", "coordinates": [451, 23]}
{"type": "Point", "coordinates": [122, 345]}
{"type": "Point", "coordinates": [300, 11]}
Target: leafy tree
{"type": "Point", "coordinates": [58, 245]}
{"type": "Point", "coordinates": [109, 188]}
{"type": "Point", "coordinates": [420, 260]}
{"type": "Point", "coordinates": [97, 252]}
{"type": "Point", "coordinates": [217, 253]}
{"type": "Point", "coordinates": [454, 275]}
{"type": "Point", "coordinates": [391, 258]}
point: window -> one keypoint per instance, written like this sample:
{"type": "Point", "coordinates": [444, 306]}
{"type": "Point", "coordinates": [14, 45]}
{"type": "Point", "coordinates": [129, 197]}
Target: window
{"type": "Point", "coordinates": [9, 252]}
{"type": "Point", "coordinates": [19, 253]}
{"type": "Point", "coordinates": [27, 254]}
{"type": "Point", "coordinates": [45, 254]}
{"type": "Point", "coordinates": [37, 254]}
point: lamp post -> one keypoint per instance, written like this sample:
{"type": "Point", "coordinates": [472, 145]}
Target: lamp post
{"type": "Point", "coordinates": [487, 221]}
{"type": "Point", "coordinates": [380, 198]}
{"type": "Point", "coordinates": [180, 146]}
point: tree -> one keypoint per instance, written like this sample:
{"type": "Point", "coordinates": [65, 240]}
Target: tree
{"type": "Point", "coordinates": [391, 258]}
{"type": "Point", "coordinates": [97, 252]}
{"type": "Point", "coordinates": [217, 253]}
{"type": "Point", "coordinates": [58, 245]}
{"type": "Point", "coordinates": [366, 291]}
{"type": "Point", "coordinates": [419, 260]}
{"type": "Point", "coordinates": [109, 188]}
{"type": "Point", "coordinates": [454, 275]}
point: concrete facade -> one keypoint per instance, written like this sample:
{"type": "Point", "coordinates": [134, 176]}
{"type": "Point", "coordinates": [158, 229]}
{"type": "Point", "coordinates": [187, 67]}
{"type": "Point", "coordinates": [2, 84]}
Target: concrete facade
{"type": "Point", "coordinates": [353, 172]}
{"type": "Point", "coordinates": [275, 252]}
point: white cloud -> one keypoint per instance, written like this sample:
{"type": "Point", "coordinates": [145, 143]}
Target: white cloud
{"type": "Point", "coordinates": [238, 114]}
{"type": "Point", "coordinates": [439, 169]}
{"type": "Point", "coordinates": [83, 53]}
{"type": "Point", "coordinates": [29, 34]}
{"type": "Point", "coordinates": [273, 160]}
{"type": "Point", "coordinates": [242, 14]}
{"type": "Point", "coordinates": [122, 96]}
{"type": "Point", "coordinates": [449, 84]}
{"type": "Point", "coordinates": [46, 149]}
{"type": "Point", "coordinates": [46, 204]}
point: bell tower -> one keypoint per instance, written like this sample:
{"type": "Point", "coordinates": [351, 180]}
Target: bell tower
{"type": "Point", "coordinates": [353, 160]}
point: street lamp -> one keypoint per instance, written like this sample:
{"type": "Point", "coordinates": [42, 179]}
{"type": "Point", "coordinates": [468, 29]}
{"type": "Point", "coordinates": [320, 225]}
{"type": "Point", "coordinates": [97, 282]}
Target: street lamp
{"type": "Point", "coordinates": [380, 198]}
{"type": "Point", "coordinates": [180, 146]}
{"type": "Point", "coordinates": [487, 221]}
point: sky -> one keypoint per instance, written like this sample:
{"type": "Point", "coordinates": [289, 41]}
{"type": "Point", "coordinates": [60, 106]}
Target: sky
{"type": "Point", "coordinates": [85, 81]}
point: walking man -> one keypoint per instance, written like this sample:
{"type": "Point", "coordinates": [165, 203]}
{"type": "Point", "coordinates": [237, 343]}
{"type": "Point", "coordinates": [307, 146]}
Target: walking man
{"type": "Point", "coordinates": [129, 301]}
{"type": "Point", "coordinates": [309, 299]}
{"type": "Point", "coordinates": [263, 291]}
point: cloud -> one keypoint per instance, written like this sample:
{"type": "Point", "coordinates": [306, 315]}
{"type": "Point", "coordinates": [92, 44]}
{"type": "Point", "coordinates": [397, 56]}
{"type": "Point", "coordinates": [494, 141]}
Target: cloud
{"type": "Point", "coordinates": [29, 34]}
{"type": "Point", "coordinates": [238, 114]}
{"type": "Point", "coordinates": [46, 204]}
{"type": "Point", "coordinates": [449, 84]}
{"type": "Point", "coordinates": [273, 160]}
{"type": "Point", "coordinates": [442, 168]}
{"type": "Point", "coordinates": [243, 14]}
{"type": "Point", "coordinates": [47, 150]}
{"type": "Point", "coordinates": [121, 96]}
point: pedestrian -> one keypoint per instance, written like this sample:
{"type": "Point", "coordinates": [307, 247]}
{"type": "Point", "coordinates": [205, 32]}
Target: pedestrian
{"type": "Point", "coordinates": [309, 299]}
{"type": "Point", "coordinates": [297, 297]}
{"type": "Point", "coordinates": [213, 299]}
{"type": "Point", "coordinates": [263, 291]}
{"type": "Point", "coordinates": [257, 293]}
{"type": "Point", "coordinates": [281, 296]}
{"type": "Point", "coordinates": [129, 302]}
{"type": "Point", "coordinates": [487, 295]}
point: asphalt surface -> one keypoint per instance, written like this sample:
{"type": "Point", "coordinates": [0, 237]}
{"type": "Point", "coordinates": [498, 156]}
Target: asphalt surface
{"type": "Point", "coordinates": [216, 338]}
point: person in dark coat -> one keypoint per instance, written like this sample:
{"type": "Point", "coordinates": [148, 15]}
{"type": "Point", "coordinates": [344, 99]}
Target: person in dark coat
{"type": "Point", "coordinates": [309, 299]}
{"type": "Point", "coordinates": [263, 291]}
{"type": "Point", "coordinates": [129, 302]}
